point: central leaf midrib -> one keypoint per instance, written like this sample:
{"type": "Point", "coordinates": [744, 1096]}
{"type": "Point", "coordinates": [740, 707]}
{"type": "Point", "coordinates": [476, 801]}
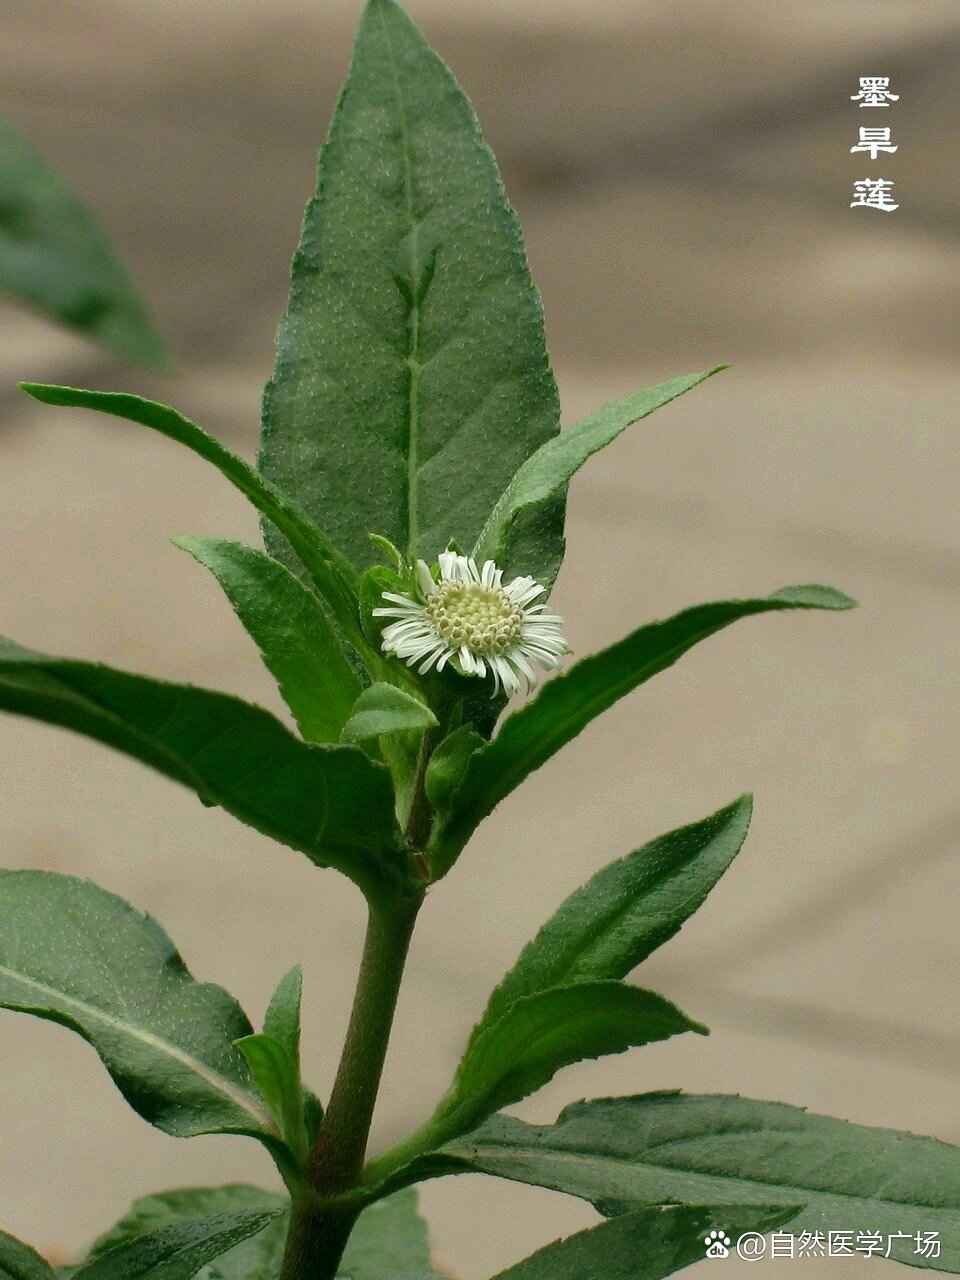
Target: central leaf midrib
{"type": "Point", "coordinates": [413, 362]}
{"type": "Point", "coordinates": [576, 1155]}
{"type": "Point", "coordinates": [604, 924]}
{"type": "Point", "coordinates": [218, 1082]}
{"type": "Point", "coordinates": [558, 1022]}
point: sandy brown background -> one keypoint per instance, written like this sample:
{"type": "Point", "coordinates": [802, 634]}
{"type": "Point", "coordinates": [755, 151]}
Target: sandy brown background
{"type": "Point", "coordinates": [682, 171]}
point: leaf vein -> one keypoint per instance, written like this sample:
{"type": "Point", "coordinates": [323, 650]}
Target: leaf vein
{"type": "Point", "coordinates": [216, 1081]}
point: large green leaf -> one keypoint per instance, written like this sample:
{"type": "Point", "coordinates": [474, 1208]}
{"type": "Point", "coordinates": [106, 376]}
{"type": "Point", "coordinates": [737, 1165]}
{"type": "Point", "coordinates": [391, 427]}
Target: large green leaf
{"type": "Point", "coordinates": [77, 955]}
{"type": "Point", "coordinates": [568, 703]}
{"type": "Point", "coordinates": [54, 255]}
{"type": "Point", "coordinates": [332, 803]}
{"type": "Point", "coordinates": [645, 1244]}
{"type": "Point", "coordinates": [540, 1033]}
{"type": "Point", "coordinates": [548, 471]}
{"type": "Point", "coordinates": [411, 378]}
{"type": "Point", "coordinates": [328, 569]}
{"type": "Point", "coordinates": [19, 1262]}
{"type": "Point", "coordinates": [288, 624]}
{"type": "Point", "coordinates": [177, 1251]}
{"type": "Point", "coordinates": [627, 910]}
{"type": "Point", "coordinates": [516, 1055]}
{"type": "Point", "coordinates": [389, 1239]}
{"type": "Point", "coordinates": [256, 1258]}
{"type": "Point", "coordinates": [621, 1153]}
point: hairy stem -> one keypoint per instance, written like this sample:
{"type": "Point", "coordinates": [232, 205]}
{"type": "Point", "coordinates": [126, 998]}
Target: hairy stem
{"type": "Point", "coordinates": [337, 1156]}
{"type": "Point", "coordinates": [316, 1239]}
{"type": "Point", "coordinates": [319, 1229]}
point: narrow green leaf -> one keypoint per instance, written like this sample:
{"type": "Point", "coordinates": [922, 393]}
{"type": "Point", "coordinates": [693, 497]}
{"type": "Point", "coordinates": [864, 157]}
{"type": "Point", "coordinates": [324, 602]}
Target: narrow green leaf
{"type": "Point", "coordinates": [175, 1252]}
{"type": "Point", "coordinates": [332, 803]}
{"type": "Point", "coordinates": [19, 1262]}
{"type": "Point", "coordinates": [382, 708]}
{"type": "Point", "coordinates": [282, 1020]}
{"type": "Point", "coordinates": [568, 703]}
{"type": "Point", "coordinates": [282, 1024]}
{"type": "Point", "coordinates": [255, 1258]}
{"type": "Point", "coordinates": [627, 910]}
{"type": "Point", "coordinates": [621, 1153]}
{"type": "Point", "coordinates": [55, 255]}
{"type": "Point", "coordinates": [290, 628]}
{"type": "Point", "coordinates": [389, 1239]}
{"type": "Point", "coordinates": [327, 568]}
{"type": "Point", "coordinates": [278, 1079]}
{"type": "Point", "coordinates": [75, 954]}
{"type": "Point", "coordinates": [411, 378]}
{"type": "Point", "coordinates": [393, 556]}
{"type": "Point", "coordinates": [548, 471]}
{"type": "Point", "coordinates": [645, 1244]}
{"type": "Point", "coordinates": [541, 1033]}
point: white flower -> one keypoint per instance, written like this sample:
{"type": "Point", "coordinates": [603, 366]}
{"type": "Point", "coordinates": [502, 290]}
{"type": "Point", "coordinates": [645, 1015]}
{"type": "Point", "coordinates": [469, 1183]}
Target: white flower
{"type": "Point", "coordinates": [474, 622]}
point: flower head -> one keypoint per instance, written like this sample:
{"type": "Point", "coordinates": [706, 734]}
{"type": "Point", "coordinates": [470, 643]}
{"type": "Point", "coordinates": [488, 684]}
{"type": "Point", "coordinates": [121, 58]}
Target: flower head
{"type": "Point", "coordinates": [471, 620]}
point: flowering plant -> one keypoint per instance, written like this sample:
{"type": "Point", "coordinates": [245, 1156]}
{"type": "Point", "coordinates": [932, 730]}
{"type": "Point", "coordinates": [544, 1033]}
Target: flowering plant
{"type": "Point", "coordinates": [412, 483]}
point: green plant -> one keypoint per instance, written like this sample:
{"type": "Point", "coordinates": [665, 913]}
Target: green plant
{"type": "Point", "coordinates": [55, 256]}
{"type": "Point", "coordinates": [410, 435]}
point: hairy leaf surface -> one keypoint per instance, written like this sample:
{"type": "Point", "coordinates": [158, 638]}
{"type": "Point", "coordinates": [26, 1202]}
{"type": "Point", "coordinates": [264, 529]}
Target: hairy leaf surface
{"type": "Point", "coordinates": [621, 1153]}
{"type": "Point", "coordinates": [540, 1033]}
{"type": "Point", "coordinates": [390, 1238]}
{"type": "Point", "coordinates": [177, 1251]}
{"type": "Point", "coordinates": [645, 1244]}
{"type": "Point", "coordinates": [282, 1020]}
{"type": "Point", "coordinates": [19, 1262]}
{"type": "Point", "coordinates": [627, 910]}
{"type": "Point", "coordinates": [77, 955]}
{"type": "Point", "coordinates": [256, 1257]}
{"type": "Point", "coordinates": [411, 378]}
{"type": "Point", "coordinates": [287, 623]}
{"type": "Point", "coordinates": [278, 1080]}
{"type": "Point", "coordinates": [332, 803]}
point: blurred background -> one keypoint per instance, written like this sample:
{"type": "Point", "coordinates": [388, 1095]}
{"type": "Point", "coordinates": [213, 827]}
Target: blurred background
{"type": "Point", "coordinates": [683, 175]}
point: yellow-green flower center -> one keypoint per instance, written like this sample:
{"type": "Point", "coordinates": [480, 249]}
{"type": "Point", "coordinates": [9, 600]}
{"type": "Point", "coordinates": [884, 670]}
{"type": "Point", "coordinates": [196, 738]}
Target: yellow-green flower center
{"type": "Point", "coordinates": [484, 619]}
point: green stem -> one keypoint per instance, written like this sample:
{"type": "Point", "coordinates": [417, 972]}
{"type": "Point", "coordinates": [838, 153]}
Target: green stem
{"type": "Point", "coordinates": [319, 1227]}
{"type": "Point", "coordinates": [432, 1134]}
{"type": "Point", "coordinates": [316, 1238]}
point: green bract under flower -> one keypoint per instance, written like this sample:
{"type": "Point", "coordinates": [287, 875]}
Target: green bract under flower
{"type": "Point", "coordinates": [470, 619]}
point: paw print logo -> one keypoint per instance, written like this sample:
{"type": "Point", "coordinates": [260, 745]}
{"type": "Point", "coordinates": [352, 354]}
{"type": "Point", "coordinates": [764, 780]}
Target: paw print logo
{"type": "Point", "coordinates": [718, 1245]}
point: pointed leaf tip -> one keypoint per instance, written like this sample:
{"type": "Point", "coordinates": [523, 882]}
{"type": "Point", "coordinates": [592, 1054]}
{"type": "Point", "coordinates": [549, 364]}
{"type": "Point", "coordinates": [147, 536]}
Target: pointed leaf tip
{"type": "Point", "coordinates": [512, 533]}
{"type": "Point", "coordinates": [626, 910]}
{"type": "Point", "coordinates": [416, 336]}
{"type": "Point", "coordinates": [814, 596]}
